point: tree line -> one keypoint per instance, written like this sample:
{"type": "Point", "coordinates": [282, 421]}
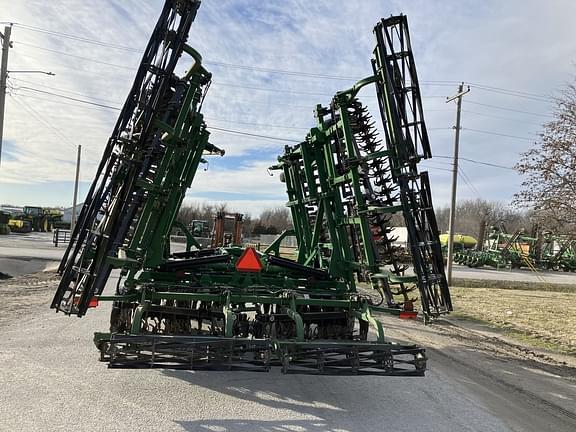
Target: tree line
{"type": "Point", "coordinates": [476, 216]}
{"type": "Point", "coordinates": [546, 200]}
{"type": "Point", "coordinates": [472, 217]}
{"type": "Point", "coordinates": [549, 169]}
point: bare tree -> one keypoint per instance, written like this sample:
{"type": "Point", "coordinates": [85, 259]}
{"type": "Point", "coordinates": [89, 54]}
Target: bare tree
{"type": "Point", "coordinates": [473, 216]}
{"type": "Point", "coordinates": [199, 211]}
{"type": "Point", "coordinates": [277, 218]}
{"type": "Point", "coordinates": [270, 221]}
{"type": "Point", "coordinates": [549, 169]}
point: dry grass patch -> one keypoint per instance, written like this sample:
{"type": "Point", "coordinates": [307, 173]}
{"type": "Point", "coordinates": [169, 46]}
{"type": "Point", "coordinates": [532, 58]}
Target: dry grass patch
{"type": "Point", "coordinates": [546, 318]}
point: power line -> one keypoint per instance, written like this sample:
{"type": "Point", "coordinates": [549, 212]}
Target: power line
{"type": "Point", "coordinates": [476, 162]}
{"type": "Point", "coordinates": [508, 109]}
{"type": "Point", "coordinates": [77, 71]}
{"type": "Point", "coordinates": [274, 90]}
{"type": "Point", "coordinates": [426, 165]}
{"type": "Point", "coordinates": [28, 96]}
{"type": "Point", "coordinates": [267, 137]}
{"type": "Point", "coordinates": [216, 84]}
{"type": "Point", "coordinates": [211, 119]}
{"type": "Point", "coordinates": [75, 56]}
{"type": "Point", "coordinates": [38, 117]}
{"type": "Point", "coordinates": [437, 161]}
{"type": "Point", "coordinates": [282, 72]}
{"type": "Point", "coordinates": [510, 92]}
{"type": "Point", "coordinates": [224, 84]}
{"type": "Point", "coordinates": [78, 38]}
{"type": "Point", "coordinates": [207, 118]}
{"type": "Point", "coordinates": [500, 90]}
{"type": "Point", "coordinates": [498, 134]}
{"type": "Point", "coordinates": [310, 107]}
{"type": "Point", "coordinates": [216, 96]}
{"type": "Point", "coordinates": [312, 74]}
{"type": "Point", "coordinates": [63, 90]}
{"type": "Point", "coordinates": [223, 130]}
{"type": "Point", "coordinates": [247, 123]}
{"type": "Point", "coordinates": [500, 117]}
{"type": "Point", "coordinates": [537, 99]}
{"type": "Point", "coordinates": [69, 98]}
{"type": "Point", "coordinates": [469, 182]}
{"type": "Point", "coordinates": [436, 168]}
{"type": "Point", "coordinates": [116, 108]}
{"type": "Point", "coordinates": [221, 64]}
{"type": "Point", "coordinates": [494, 89]}
{"type": "Point", "coordinates": [236, 132]}
{"type": "Point", "coordinates": [306, 74]}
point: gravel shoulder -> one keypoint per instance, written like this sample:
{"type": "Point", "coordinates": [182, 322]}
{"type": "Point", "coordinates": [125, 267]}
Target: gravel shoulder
{"type": "Point", "coordinates": [22, 296]}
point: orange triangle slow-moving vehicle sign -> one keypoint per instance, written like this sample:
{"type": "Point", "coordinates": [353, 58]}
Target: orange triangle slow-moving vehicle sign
{"type": "Point", "coordinates": [249, 261]}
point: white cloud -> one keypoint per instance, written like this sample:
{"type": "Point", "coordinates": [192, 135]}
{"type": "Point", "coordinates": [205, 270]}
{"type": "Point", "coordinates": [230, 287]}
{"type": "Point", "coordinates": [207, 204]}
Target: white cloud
{"type": "Point", "coordinates": [249, 179]}
{"type": "Point", "coordinates": [524, 45]}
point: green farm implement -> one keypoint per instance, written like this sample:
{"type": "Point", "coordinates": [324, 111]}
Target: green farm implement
{"type": "Point", "coordinates": [233, 308]}
{"type": "Point", "coordinates": [554, 252]}
{"type": "Point", "coordinates": [517, 250]}
{"type": "Point", "coordinates": [500, 250]}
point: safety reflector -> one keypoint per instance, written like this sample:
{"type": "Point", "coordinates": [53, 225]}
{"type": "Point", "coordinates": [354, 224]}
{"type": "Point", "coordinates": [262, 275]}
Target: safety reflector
{"type": "Point", "coordinates": [93, 302]}
{"type": "Point", "coordinates": [408, 314]}
{"type": "Point", "coordinates": [249, 261]}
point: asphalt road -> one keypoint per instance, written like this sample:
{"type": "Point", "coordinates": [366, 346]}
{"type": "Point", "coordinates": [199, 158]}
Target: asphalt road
{"type": "Point", "coordinates": [28, 253]}
{"type": "Point", "coordinates": [37, 249]}
{"type": "Point", "coordinates": [51, 379]}
{"type": "Point", "coordinates": [524, 275]}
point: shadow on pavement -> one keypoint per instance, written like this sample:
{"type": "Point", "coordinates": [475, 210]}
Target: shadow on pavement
{"type": "Point", "coordinates": [262, 426]}
{"type": "Point", "coordinates": [301, 403]}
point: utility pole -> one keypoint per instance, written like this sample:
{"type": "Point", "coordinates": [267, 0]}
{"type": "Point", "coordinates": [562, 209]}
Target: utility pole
{"type": "Point", "coordinates": [458, 96]}
{"type": "Point", "coordinates": [73, 221]}
{"type": "Point", "coordinates": [6, 45]}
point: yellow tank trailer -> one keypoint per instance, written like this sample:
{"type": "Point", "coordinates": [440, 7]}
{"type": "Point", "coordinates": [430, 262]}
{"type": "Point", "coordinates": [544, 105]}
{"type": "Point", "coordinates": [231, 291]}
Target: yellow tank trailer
{"type": "Point", "coordinates": [460, 241]}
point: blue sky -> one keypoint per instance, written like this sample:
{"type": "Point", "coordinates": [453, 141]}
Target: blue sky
{"type": "Point", "coordinates": [515, 54]}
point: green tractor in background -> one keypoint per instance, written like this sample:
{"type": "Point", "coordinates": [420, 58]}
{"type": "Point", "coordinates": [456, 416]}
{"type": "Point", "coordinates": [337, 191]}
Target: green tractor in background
{"type": "Point", "coordinates": [36, 219]}
{"type": "Point", "coordinates": [39, 221]}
